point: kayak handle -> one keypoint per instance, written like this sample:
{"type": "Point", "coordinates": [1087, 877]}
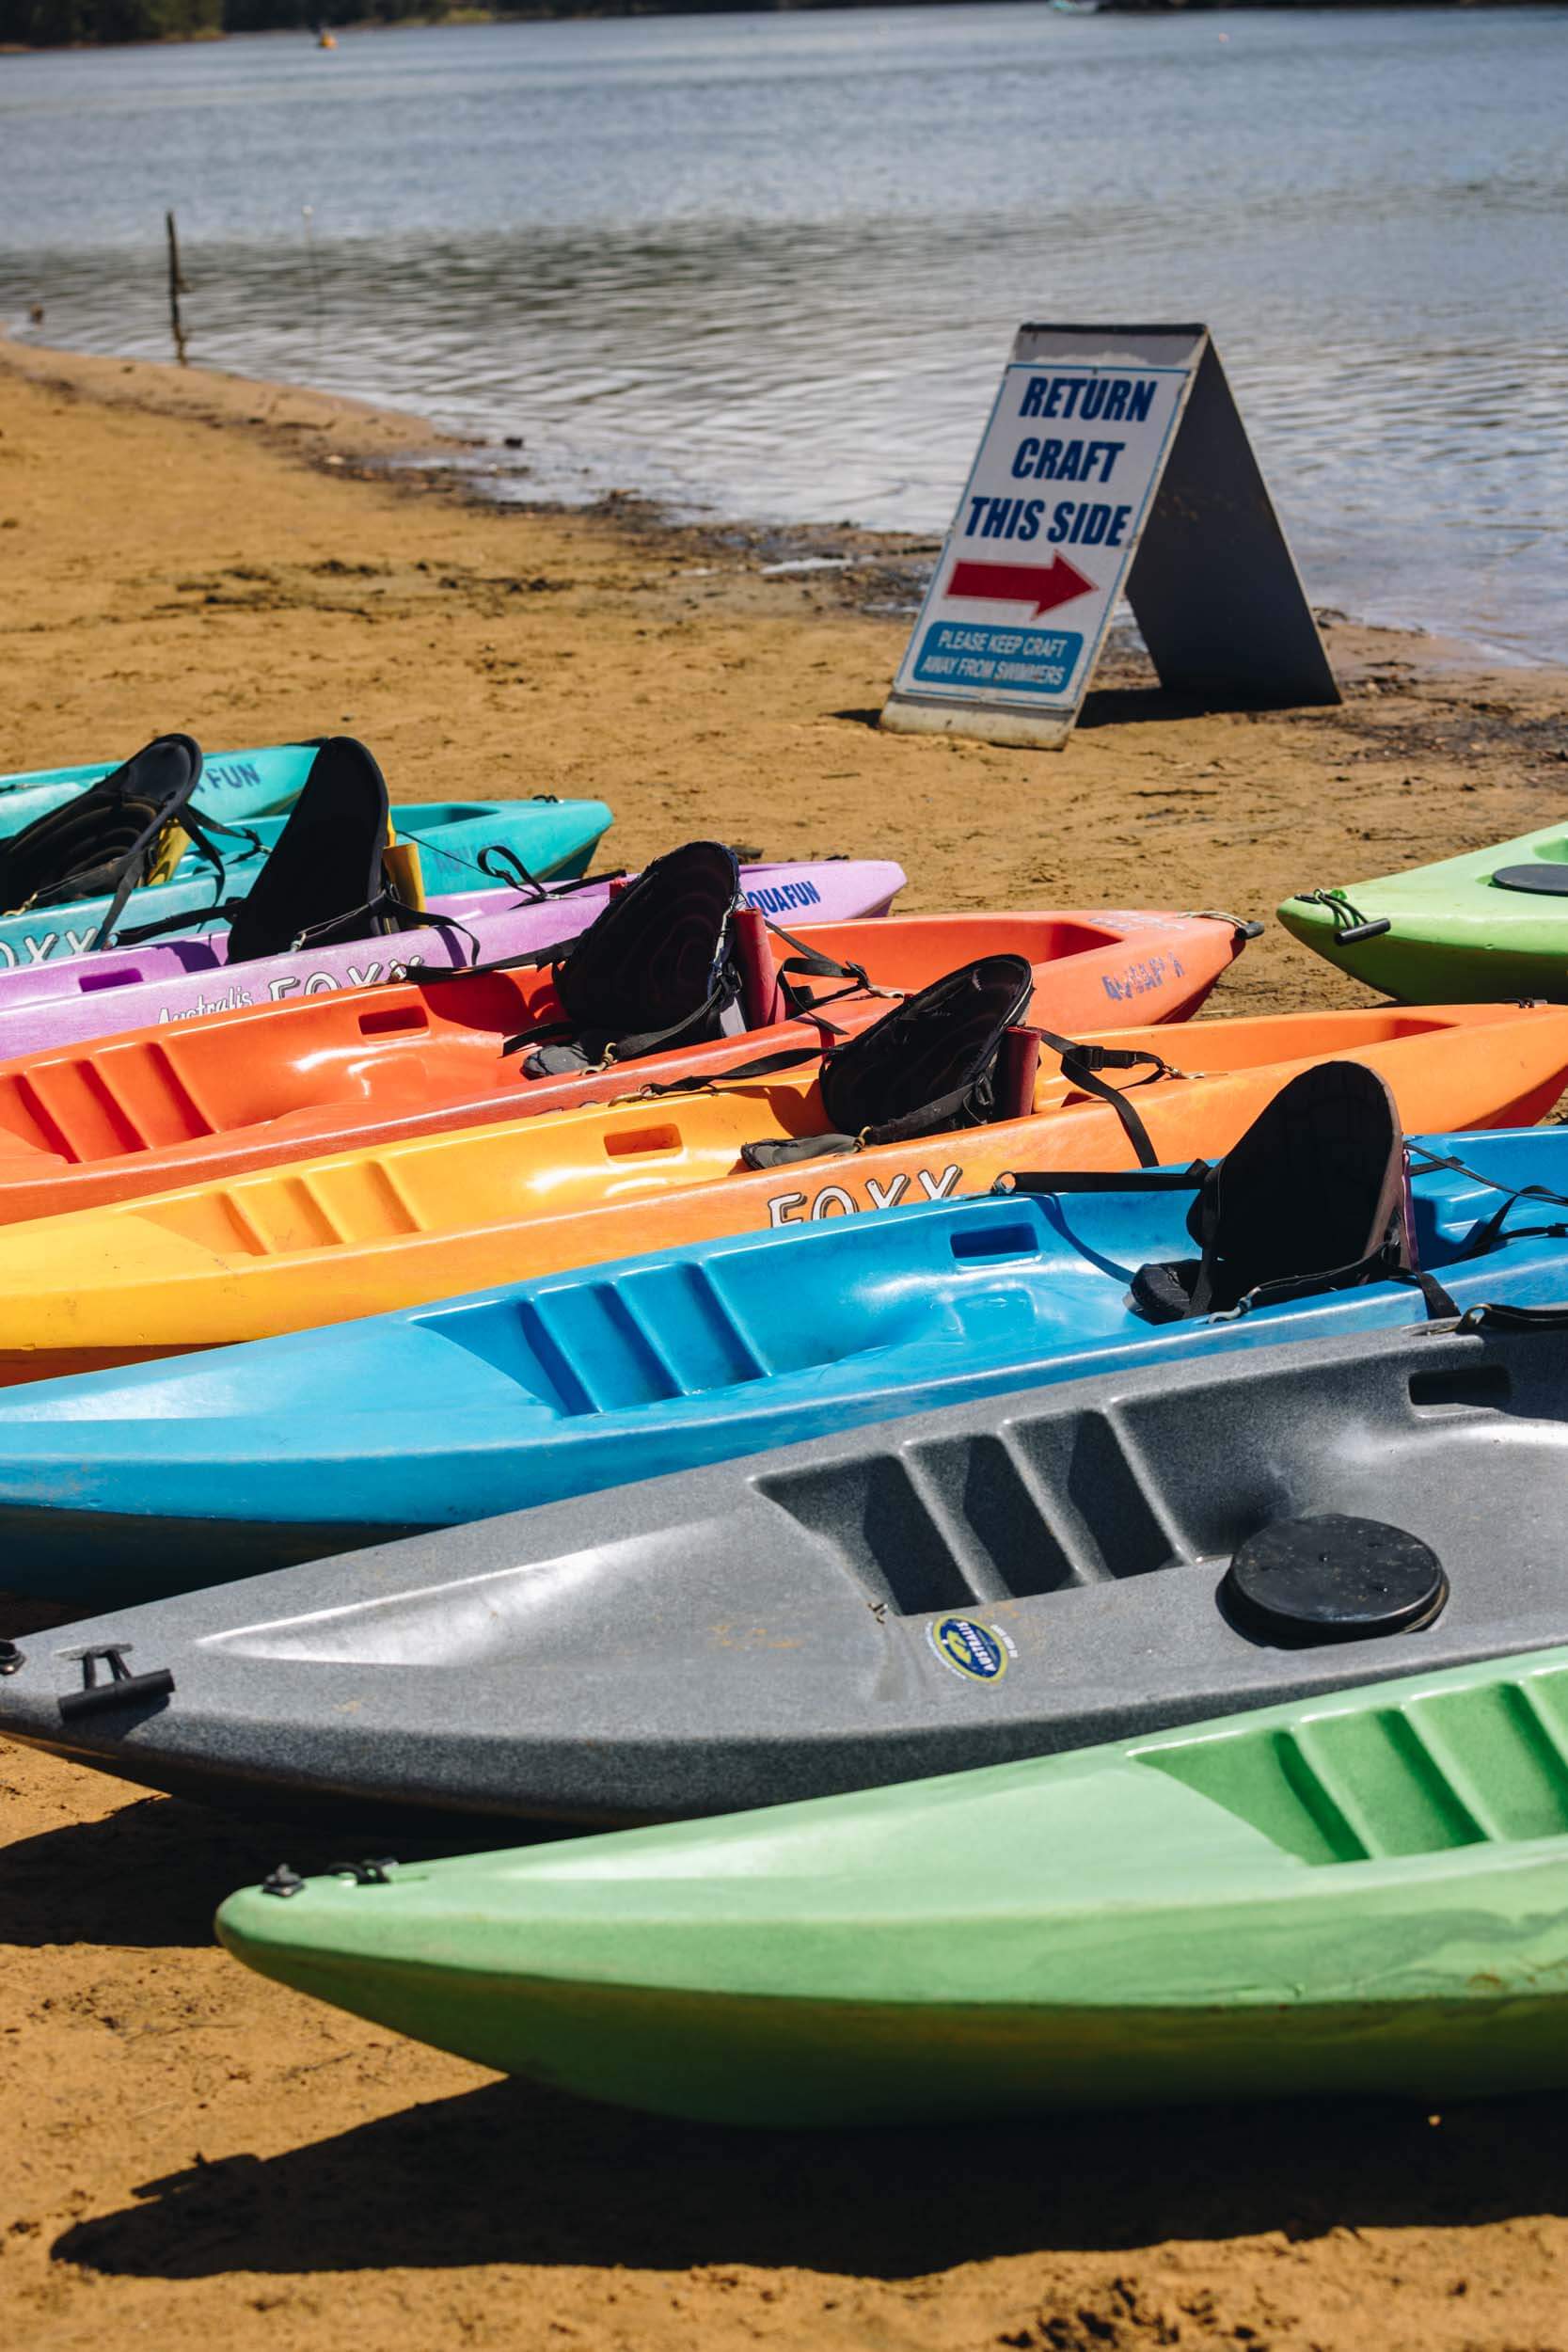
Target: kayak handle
{"type": "Point", "coordinates": [122, 1688]}
{"type": "Point", "coordinates": [1244, 926]}
{"type": "Point", "coordinates": [1350, 924]}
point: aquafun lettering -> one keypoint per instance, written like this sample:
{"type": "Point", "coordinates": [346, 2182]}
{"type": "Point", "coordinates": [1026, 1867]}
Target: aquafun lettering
{"type": "Point", "coordinates": [783, 898]}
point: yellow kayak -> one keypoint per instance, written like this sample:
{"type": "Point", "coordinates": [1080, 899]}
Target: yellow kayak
{"type": "Point", "coordinates": [356, 1233]}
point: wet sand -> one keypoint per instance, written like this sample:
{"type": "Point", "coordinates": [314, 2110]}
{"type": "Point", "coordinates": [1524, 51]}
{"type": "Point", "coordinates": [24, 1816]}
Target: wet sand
{"type": "Point", "coordinates": [191, 2153]}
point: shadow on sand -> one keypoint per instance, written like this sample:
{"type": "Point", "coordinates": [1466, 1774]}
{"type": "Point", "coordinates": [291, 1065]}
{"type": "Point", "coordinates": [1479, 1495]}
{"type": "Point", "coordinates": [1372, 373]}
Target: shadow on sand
{"type": "Point", "coordinates": [515, 2174]}
{"type": "Point", "coordinates": [154, 1871]}
{"type": "Point", "coordinates": [1139, 703]}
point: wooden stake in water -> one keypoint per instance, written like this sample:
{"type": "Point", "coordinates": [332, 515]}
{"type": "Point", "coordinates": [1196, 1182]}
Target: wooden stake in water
{"type": "Point", "coordinates": [177, 286]}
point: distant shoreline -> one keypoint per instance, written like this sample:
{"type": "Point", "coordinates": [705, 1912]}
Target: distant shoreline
{"type": "Point", "coordinates": [581, 11]}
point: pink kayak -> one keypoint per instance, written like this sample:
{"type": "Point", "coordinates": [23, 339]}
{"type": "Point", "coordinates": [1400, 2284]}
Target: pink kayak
{"type": "Point", "coordinates": [78, 998]}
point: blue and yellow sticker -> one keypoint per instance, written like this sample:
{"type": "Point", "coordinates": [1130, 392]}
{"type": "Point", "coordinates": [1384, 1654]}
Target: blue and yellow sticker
{"type": "Point", "coordinates": [979, 1653]}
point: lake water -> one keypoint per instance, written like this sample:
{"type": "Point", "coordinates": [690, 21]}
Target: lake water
{"type": "Point", "coordinates": [770, 266]}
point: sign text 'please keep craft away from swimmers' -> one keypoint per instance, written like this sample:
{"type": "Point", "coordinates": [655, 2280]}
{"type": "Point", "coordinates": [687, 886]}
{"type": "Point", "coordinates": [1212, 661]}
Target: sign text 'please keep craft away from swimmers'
{"type": "Point", "coordinates": [1063, 493]}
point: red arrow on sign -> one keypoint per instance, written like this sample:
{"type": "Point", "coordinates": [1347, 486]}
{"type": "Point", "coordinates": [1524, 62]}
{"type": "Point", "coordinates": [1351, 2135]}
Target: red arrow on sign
{"type": "Point", "coordinates": [1043, 585]}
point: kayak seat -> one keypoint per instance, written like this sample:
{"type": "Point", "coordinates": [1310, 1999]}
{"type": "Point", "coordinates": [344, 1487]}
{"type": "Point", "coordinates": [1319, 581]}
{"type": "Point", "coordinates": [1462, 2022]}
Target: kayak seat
{"type": "Point", "coordinates": [110, 837]}
{"type": "Point", "coordinates": [1311, 1198]}
{"type": "Point", "coordinates": [657, 970]}
{"type": "Point", "coordinates": [326, 875]}
{"type": "Point", "coordinates": [1540, 876]}
{"type": "Point", "coordinates": [931, 1064]}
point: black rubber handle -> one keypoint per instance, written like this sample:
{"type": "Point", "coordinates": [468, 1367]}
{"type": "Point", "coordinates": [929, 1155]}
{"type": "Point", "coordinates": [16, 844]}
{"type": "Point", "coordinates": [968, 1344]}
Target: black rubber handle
{"type": "Point", "coordinates": [1358, 931]}
{"type": "Point", "coordinates": [122, 1691]}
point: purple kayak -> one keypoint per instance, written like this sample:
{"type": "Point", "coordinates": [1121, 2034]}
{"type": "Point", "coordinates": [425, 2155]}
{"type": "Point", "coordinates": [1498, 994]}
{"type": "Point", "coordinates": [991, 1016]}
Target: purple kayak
{"type": "Point", "coordinates": [78, 998]}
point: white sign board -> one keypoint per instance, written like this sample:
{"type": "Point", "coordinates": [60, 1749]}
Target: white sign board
{"type": "Point", "coordinates": [1051, 519]}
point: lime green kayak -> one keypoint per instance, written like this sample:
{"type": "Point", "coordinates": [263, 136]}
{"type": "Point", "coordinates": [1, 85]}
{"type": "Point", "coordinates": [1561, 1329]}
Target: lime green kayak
{"type": "Point", "coordinates": [1474, 929]}
{"type": "Point", "coordinates": [1367, 1893]}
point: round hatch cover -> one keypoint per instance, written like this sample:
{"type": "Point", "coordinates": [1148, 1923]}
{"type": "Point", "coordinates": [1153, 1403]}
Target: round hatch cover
{"type": "Point", "coordinates": [1541, 876]}
{"type": "Point", "coordinates": [1332, 1578]}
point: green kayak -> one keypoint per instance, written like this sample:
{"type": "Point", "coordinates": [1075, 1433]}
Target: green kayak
{"type": "Point", "coordinates": [1367, 1893]}
{"type": "Point", "coordinates": [1475, 929]}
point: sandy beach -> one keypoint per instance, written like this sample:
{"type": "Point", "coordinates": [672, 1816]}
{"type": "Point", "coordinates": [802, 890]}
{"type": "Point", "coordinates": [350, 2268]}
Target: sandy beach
{"type": "Point", "coordinates": [192, 2154]}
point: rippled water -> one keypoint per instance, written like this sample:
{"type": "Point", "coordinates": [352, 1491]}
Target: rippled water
{"type": "Point", "coordinates": [770, 266]}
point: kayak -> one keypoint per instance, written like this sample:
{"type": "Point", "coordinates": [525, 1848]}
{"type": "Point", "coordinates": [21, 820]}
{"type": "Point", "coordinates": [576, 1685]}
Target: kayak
{"type": "Point", "coordinates": [76, 998]}
{"type": "Point", "coordinates": [1035, 1572]}
{"type": "Point", "coordinates": [121, 1486]}
{"type": "Point", "coordinates": [1469, 930]}
{"type": "Point", "coordinates": [550, 837]}
{"type": "Point", "coordinates": [234, 787]}
{"type": "Point", "coordinates": [1355, 1896]}
{"type": "Point", "coordinates": [330, 1073]}
{"type": "Point", "coordinates": [356, 1233]}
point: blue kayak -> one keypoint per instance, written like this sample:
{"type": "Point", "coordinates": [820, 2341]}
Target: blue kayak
{"type": "Point", "coordinates": [132, 1484]}
{"type": "Point", "coordinates": [551, 837]}
{"type": "Point", "coordinates": [235, 786]}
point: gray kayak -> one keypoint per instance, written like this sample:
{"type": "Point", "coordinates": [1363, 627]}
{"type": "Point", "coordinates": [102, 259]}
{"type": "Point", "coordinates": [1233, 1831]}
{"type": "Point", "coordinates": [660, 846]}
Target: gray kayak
{"type": "Point", "coordinates": [1028, 1573]}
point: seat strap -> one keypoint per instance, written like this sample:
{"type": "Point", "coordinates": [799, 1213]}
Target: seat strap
{"type": "Point", "coordinates": [1489, 1233]}
{"type": "Point", "coordinates": [408, 918]}
{"type": "Point", "coordinates": [810, 963]}
{"type": "Point", "coordinates": [496, 857]}
{"type": "Point", "coordinates": [1379, 1266]}
{"type": "Point", "coordinates": [1104, 1179]}
{"type": "Point", "coordinates": [1080, 1063]}
{"type": "Point", "coordinates": [639, 1043]}
{"type": "Point", "coordinates": [928, 1119]}
{"type": "Point", "coordinates": [1498, 1313]}
{"type": "Point", "coordinates": [199, 831]}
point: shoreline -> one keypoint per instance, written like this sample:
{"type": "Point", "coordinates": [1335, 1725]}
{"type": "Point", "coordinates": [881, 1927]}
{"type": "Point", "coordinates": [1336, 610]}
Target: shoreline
{"type": "Point", "coordinates": [207, 2153]}
{"type": "Point", "coordinates": [398, 446]}
{"type": "Point", "coordinates": [584, 11]}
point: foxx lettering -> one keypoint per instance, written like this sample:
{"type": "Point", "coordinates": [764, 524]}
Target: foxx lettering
{"type": "Point", "coordinates": [798, 1208]}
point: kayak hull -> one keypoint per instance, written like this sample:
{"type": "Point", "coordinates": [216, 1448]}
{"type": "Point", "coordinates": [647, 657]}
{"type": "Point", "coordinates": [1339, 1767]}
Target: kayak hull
{"type": "Point", "coordinates": [1031, 1573]}
{"type": "Point", "coordinates": [1454, 936]}
{"type": "Point", "coordinates": [1117, 1928]}
{"type": "Point", "coordinates": [235, 786]}
{"type": "Point", "coordinates": [125, 1485]}
{"type": "Point", "coordinates": [327, 1073]}
{"type": "Point", "coordinates": [552, 837]}
{"type": "Point", "coordinates": [83, 998]}
{"type": "Point", "coordinates": [322, 1241]}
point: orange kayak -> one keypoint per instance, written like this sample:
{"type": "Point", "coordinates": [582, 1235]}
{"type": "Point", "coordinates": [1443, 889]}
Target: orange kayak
{"type": "Point", "coordinates": [320, 1241]}
{"type": "Point", "coordinates": [114, 1117]}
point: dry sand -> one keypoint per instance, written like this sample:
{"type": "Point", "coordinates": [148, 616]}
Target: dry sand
{"type": "Point", "coordinates": [192, 2156]}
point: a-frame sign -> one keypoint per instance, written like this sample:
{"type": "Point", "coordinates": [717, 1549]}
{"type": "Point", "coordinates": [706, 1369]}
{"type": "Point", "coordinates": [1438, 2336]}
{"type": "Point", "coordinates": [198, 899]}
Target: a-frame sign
{"type": "Point", "coordinates": [1114, 462]}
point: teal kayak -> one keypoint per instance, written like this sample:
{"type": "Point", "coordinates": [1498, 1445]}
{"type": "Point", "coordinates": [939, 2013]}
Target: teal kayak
{"type": "Point", "coordinates": [1366, 1893]}
{"type": "Point", "coordinates": [1474, 929]}
{"type": "Point", "coordinates": [551, 837]}
{"type": "Point", "coordinates": [235, 786]}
